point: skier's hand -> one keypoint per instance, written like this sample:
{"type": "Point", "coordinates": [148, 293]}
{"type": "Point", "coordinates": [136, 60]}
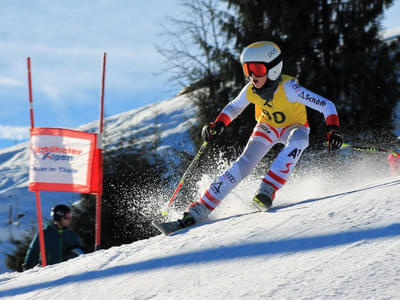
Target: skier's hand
{"type": "Point", "coordinates": [334, 137]}
{"type": "Point", "coordinates": [212, 129]}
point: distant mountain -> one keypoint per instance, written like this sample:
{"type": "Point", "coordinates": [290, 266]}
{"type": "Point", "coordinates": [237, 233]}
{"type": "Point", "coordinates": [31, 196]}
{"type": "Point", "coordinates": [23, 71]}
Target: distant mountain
{"type": "Point", "coordinates": [166, 122]}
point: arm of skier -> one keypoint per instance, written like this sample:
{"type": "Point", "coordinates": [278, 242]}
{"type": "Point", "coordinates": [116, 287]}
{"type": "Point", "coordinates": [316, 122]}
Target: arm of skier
{"type": "Point", "coordinates": [297, 93]}
{"type": "Point", "coordinates": [230, 112]}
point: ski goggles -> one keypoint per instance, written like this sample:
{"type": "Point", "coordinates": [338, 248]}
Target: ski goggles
{"type": "Point", "coordinates": [256, 68]}
{"type": "Point", "coordinates": [259, 68]}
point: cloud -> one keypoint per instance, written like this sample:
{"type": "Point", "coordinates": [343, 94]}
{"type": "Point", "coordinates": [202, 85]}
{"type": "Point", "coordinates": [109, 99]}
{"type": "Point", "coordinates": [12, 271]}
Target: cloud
{"type": "Point", "coordinates": [14, 132]}
{"type": "Point", "coordinates": [10, 82]}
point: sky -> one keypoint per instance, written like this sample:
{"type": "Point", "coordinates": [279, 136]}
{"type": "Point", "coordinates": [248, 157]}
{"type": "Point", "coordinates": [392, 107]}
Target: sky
{"type": "Point", "coordinates": [66, 41]}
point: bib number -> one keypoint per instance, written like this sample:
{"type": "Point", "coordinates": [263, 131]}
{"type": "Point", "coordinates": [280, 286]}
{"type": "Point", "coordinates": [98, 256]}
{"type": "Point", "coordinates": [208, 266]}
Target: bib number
{"type": "Point", "coordinates": [278, 117]}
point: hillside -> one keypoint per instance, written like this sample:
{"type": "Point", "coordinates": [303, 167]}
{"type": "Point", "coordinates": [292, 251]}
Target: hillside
{"type": "Point", "coordinates": [167, 121]}
{"type": "Point", "coordinates": [328, 236]}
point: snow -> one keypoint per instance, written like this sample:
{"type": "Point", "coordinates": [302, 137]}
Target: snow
{"type": "Point", "coordinates": [325, 237]}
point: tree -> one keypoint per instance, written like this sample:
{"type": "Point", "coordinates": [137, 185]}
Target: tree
{"type": "Point", "coordinates": [197, 54]}
{"type": "Point", "coordinates": [333, 47]}
{"type": "Point", "coordinates": [193, 46]}
{"type": "Point", "coordinates": [15, 260]}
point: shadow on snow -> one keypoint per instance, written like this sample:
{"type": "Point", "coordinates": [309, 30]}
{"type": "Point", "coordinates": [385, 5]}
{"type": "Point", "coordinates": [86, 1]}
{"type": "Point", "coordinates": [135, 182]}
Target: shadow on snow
{"type": "Point", "coordinates": [223, 253]}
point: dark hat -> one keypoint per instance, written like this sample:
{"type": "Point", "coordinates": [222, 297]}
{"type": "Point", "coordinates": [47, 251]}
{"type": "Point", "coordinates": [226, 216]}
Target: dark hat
{"type": "Point", "coordinates": [59, 211]}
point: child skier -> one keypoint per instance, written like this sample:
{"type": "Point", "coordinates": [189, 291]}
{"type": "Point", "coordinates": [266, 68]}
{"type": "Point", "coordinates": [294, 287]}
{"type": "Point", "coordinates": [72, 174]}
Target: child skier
{"type": "Point", "coordinates": [280, 108]}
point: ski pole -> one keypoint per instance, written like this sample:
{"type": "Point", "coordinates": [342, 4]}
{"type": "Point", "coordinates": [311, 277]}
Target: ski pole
{"type": "Point", "coordinates": [191, 166]}
{"type": "Point", "coordinates": [371, 149]}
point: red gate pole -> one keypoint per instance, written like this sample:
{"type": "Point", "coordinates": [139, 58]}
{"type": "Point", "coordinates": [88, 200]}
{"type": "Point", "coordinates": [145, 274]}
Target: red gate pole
{"type": "Point", "coordinates": [40, 226]}
{"type": "Point", "coordinates": [100, 156]}
{"type": "Point", "coordinates": [37, 193]}
{"type": "Point", "coordinates": [102, 93]}
{"type": "Point", "coordinates": [30, 92]}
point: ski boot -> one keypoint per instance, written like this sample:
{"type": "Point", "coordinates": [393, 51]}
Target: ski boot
{"type": "Point", "coordinates": [187, 220]}
{"type": "Point", "coordinates": [264, 196]}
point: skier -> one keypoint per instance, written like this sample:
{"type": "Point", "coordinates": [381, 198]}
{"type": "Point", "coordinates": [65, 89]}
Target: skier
{"type": "Point", "coordinates": [61, 243]}
{"type": "Point", "coordinates": [280, 109]}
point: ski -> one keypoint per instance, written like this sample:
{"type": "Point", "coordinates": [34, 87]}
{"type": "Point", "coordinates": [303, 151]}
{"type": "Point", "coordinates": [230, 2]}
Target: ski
{"type": "Point", "coordinates": [167, 227]}
{"type": "Point", "coordinates": [170, 227]}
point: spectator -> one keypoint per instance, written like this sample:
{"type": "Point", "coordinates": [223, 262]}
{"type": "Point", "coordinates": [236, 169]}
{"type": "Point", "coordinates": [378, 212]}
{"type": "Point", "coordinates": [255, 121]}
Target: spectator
{"type": "Point", "coordinates": [61, 243]}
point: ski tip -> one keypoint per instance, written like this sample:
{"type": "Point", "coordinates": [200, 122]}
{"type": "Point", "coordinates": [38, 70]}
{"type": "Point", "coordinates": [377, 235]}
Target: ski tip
{"type": "Point", "coordinates": [167, 228]}
{"type": "Point", "coordinates": [158, 226]}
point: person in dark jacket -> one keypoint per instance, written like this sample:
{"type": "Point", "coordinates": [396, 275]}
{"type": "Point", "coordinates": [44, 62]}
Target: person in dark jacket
{"type": "Point", "coordinates": [61, 243]}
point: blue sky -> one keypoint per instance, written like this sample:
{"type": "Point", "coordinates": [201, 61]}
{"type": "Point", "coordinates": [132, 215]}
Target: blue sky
{"type": "Point", "coordinates": [66, 41]}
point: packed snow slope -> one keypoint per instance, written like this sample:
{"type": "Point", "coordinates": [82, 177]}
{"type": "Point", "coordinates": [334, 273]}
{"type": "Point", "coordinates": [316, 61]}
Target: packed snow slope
{"type": "Point", "coordinates": [329, 235]}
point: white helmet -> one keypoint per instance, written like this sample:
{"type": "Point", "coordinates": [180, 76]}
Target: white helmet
{"type": "Point", "coordinates": [265, 52]}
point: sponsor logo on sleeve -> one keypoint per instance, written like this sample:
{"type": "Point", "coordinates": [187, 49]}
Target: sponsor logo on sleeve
{"type": "Point", "coordinates": [295, 86]}
{"type": "Point", "coordinates": [312, 99]}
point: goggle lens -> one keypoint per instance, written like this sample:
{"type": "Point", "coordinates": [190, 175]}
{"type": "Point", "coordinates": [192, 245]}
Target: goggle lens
{"type": "Point", "coordinates": [258, 69]}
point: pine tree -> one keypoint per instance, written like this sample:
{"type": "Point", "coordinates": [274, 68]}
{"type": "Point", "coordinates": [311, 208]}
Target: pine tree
{"type": "Point", "coordinates": [15, 260]}
{"type": "Point", "coordinates": [197, 55]}
{"type": "Point", "coordinates": [333, 48]}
